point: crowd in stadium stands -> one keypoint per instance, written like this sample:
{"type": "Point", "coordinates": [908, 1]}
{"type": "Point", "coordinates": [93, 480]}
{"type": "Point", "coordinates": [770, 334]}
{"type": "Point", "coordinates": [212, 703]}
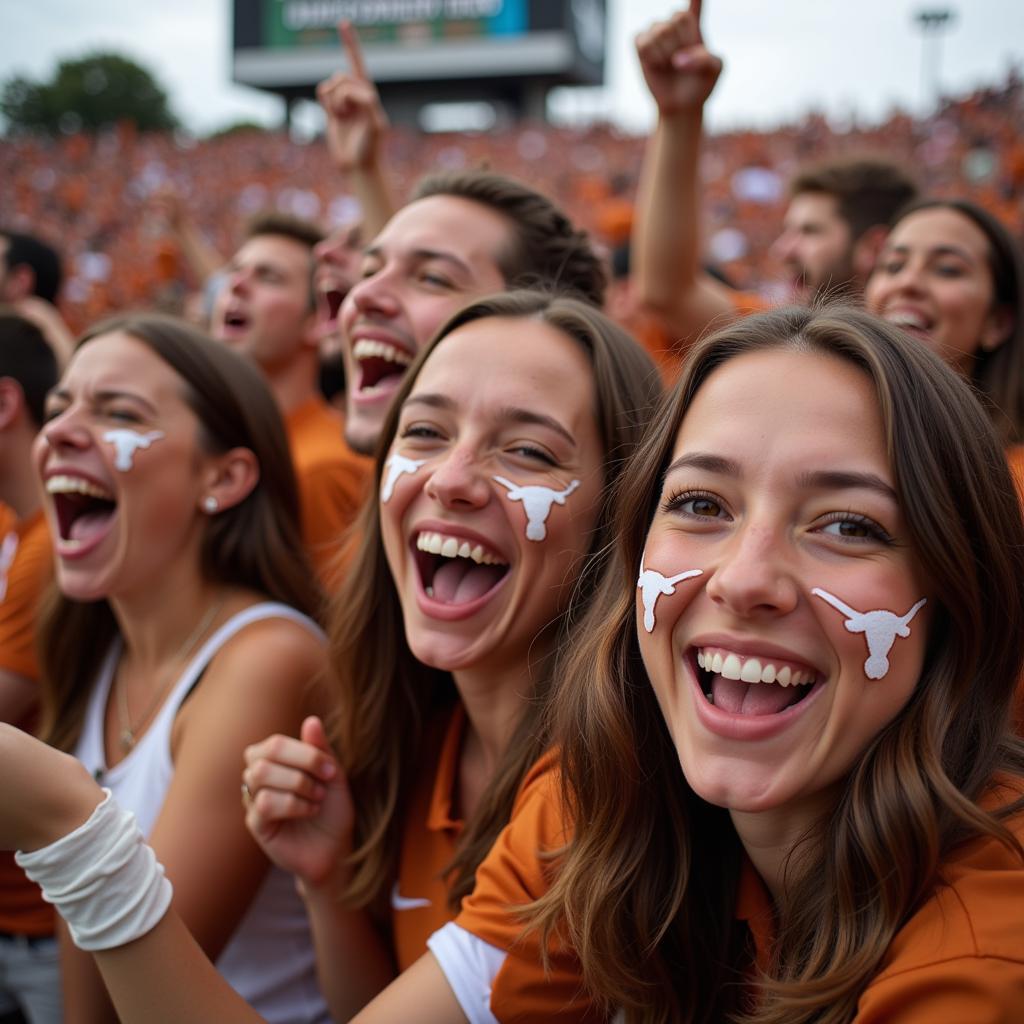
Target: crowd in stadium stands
{"type": "Point", "coordinates": [93, 195]}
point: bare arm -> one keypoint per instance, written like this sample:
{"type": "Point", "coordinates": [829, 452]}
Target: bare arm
{"type": "Point", "coordinates": [301, 813]}
{"type": "Point", "coordinates": [356, 129]}
{"type": "Point", "coordinates": [666, 243]}
{"type": "Point", "coordinates": [202, 258]}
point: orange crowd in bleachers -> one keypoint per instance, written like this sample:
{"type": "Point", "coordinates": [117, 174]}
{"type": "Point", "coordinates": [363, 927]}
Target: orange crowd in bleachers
{"type": "Point", "coordinates": [91, 197]}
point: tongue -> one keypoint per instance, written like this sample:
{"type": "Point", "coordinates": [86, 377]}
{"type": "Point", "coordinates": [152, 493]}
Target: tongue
{"type": "Point", "coordinates": [88, 524]}
{"type": "Point", "coordinates": [459, 581]}
{"type": "Point", "coordinates": [741, 698]}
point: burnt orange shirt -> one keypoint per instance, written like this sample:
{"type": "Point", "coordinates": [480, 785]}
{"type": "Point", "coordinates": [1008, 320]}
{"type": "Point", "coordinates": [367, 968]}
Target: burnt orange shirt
{"type": "Point", "coordinates": [419, 902]}
{"type": "Point", "coordinates": [960, 958]}
{"type": "Point", "coordinates": [515, 873]}
{"type": "Point", "coordinates": [332, 480]}
{"type": "Point", "coordinates": [26, 568]}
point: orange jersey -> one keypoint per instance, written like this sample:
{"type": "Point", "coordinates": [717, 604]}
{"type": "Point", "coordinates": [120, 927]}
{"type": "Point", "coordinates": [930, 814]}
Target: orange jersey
{"type": "Point", "coordinates": [515, 873]}
{"type": "Point", "coordinates": [960, 957]}
{"type": "Point", "coordinates": [26, 568]}
{"type": "Point", "coordinates": [332, 480]}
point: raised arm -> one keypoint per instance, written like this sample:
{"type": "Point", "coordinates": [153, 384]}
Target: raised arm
{"type": "Point", "coordinates": [356, 129]}
{"type": "Point", "coordinates": [300, 811]}
{"type": "Point", "coordinates": [666, 245]}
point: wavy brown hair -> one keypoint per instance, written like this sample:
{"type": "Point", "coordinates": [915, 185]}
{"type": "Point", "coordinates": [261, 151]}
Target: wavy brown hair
{"type": "Point", "coordinates": [385, 695]}
{"type": "Point", "coordinates": [255, 544]}
{"type": "Point", "coordinates": [646, 889]}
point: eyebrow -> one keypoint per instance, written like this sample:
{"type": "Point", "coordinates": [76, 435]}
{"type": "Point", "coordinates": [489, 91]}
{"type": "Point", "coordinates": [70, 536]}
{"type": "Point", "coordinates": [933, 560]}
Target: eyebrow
{"type": "Point", "coordinates": [512, 413]}
{"type": "Point", "coordinates": [823, 479]}
{"type": "Point", "coordinates": [938, 250]}
{"type": "Point", "coordinates": [107, 396]}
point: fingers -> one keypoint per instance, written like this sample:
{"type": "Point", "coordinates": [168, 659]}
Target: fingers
{"type": "Point", "coordinates": [289, 752]}
{"type": "Point", "coordinates": [343, 96]}
{"type": "Point", "coordinates": [353, 51]}
{"type": "Point", "coordinates": [664, 39]}
{"type": "Point", "coordinates": [263, 774]}
{"type": "Point", "coordinates": [313, 732]}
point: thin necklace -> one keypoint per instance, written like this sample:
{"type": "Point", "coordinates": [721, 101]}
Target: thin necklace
{"type": "Point", "coordinates": [127, 736]}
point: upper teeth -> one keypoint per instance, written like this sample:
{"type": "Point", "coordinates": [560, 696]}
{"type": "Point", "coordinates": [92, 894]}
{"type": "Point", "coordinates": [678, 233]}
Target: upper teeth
{"type": "Point", "coordinates": [751, 670]}
{"type": "Point", "coordinates": [367, 349]}
{"type": "Point", "coordinates": [452, 547]}
{"type": "Point", "coordinates": [61, 484]}
{"type": "Point", "coordinates": [904, 318]}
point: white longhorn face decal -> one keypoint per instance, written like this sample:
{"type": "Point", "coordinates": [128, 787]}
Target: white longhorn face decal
{"type": "Point", "coordinates": [126, 443]}
{"type": "Point", "coordinates": [396, 466]}
{"type": "Point", "coordinates": [537, 501]}
{"type": "Point", "coordinates": [880, 629]}
{"type": "Point", "coordinates": [652, 584]}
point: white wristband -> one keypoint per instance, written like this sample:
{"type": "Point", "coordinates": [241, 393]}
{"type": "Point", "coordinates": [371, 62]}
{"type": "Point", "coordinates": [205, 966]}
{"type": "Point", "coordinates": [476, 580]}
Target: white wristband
{"type": "Point", "coordinates": [102, 878]}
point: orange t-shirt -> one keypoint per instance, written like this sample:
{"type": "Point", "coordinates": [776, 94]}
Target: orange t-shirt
{"type": "Point", "coordinates": [419, 902]}
{"type": "Point", "coordinates": [515, 873]}
{"type": "Point", "coordinates": [26, 568]}
{"type": "Point", "coordinates": [960, 957]}
{"type": "Point", "coordinates": [332, 480]}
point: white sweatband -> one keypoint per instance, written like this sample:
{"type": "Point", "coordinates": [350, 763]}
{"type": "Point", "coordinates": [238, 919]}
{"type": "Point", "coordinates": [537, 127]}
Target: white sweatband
{"type": "Point", "coordinates": [103, 879]}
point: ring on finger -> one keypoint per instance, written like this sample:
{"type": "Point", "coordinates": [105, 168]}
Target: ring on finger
{"type": "Point", "coordinates": [247, 794]}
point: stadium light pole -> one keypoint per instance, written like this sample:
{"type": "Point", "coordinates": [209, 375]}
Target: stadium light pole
{"type": "Point", "coordinates": [932, 22]}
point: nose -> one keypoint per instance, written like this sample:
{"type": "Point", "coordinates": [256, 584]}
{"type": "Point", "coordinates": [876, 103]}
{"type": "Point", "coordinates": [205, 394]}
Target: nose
{"type": "Point", "coordinates": [783, 248]}
{"type": "Point", "coordinates": [458, 482]}
{"type": "Point", "coordinates": [375, 295]}
{"type": "Point", "coordinates": [753, 578]}
{"type": "Point", "coordinates": [909, 279]}
{"type": "Point", "coordinates": [66, 431]}
{"type": "Point", "coordinates": [238, 280]}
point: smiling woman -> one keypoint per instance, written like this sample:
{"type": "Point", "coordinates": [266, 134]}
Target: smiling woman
{"type": "Point", "coordinates": [181, 632]}
{"type": "Point", "coordinates": [796, 792]}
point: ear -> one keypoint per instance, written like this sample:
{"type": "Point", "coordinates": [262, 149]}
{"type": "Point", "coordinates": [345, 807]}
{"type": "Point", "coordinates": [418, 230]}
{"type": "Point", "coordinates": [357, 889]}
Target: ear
{"type": "Point", "coordinates": [12, 402]}
{"type": "Point", "coordinates": [998, 327]}
{"type": "Point", "coordinates": [866, 250]}
{"type": "Point", "coordinates": [230, 479]}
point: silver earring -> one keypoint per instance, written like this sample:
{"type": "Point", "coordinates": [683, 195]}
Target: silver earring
{"type": "Point", "coordinates": [210, 504]}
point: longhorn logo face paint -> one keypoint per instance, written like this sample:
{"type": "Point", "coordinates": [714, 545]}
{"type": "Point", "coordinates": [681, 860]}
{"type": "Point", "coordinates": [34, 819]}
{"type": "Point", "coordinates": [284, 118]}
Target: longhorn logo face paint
{"type": "Point", "coordinates": [652, 584]}
{"type": "Point", "coordinates": [126, 443]}
{"type": "Point", "coordinates": [880, 629]}
{"type": "Point", "coordinates": [537, 501]}
{"type": "Point", "coordinates": [396, 466]}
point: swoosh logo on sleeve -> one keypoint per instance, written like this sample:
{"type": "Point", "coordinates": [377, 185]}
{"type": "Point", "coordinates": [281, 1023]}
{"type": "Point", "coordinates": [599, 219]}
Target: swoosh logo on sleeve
{"type": "Point", "coordinates": [400, 902]}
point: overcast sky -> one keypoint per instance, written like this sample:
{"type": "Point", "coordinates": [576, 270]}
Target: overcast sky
{"type": "Point", "coordinates": [782, 58]}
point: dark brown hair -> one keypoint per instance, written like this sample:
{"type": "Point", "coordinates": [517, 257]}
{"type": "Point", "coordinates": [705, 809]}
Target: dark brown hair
{"type": "Point", "coordinates": [997, 373]}
{"type": "Point", "coordinates": [285, 225]}
{"type": "Point", "coordinates": [27, 358]}
{"type": "Point", "coordinates": [255, 544]}
{"type": "Point", "coordinates": [547, 251]}
{"type": "Point", "coordinates": [647, 887]}
{"type": "Point", "coordinates": [867, 191]}
{"type": "Point", "coordinates": [385, 695]}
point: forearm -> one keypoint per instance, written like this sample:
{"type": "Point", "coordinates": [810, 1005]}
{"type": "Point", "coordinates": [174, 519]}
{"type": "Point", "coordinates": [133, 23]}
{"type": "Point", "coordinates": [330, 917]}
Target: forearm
{"type": "Point", "coordinates": [202, 258]}
{"type": "Point", "coordinates": [354, 962]}
{"type": "Point", "coordinates": [373, 190]}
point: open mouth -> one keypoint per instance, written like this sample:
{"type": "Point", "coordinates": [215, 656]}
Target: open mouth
{"type": "Point", "coordinates": [83, 509]}
{"type": "Point", "coordinates": [751, 686]}
{"type": "Point", "coordinates": [910, 321]}
{"type": "Point", "coordinates": [454, 570]}
{"type": "Point", "coordinates": [380, 364]}
{"type": "Point", "coordinates": [329, 304]}
{"type": "Point", "coordinates": [235, 321]}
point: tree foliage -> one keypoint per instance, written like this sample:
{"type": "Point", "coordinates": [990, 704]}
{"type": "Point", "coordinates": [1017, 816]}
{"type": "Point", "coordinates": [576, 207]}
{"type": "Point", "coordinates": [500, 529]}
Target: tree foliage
{"type": "Point", "coordinates": [87, 94]}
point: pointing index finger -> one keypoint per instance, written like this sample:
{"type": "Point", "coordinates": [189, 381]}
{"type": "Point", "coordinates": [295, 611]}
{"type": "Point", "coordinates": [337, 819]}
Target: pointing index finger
{"type": "Point", "coordinates": [350, 43]}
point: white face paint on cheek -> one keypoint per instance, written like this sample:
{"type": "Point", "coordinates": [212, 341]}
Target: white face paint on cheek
{"type": "Point", "coordinates": [652, 585]}
{"type": "Point", "coordinates": [880, 629]}
{"type": "Point", "coordinates": [396, 466]}
{"type": "Point", "coordinates": [126, 443]}
{"type": "Point", "coordinates": [537, 502]}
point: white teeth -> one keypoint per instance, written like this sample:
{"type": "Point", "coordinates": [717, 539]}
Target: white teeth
{"type": "Point", "coordinates": [731, 667]}
{"type": "Point", "coordinates": [453, 547]}
{"type": "Point", "coordinates": [751, 670]}
{"type": "Point", "coordinates": [366, 348]}
{"type": "Point", "coordinates": [61, 484]}
{"type": "Point", "coordinates": [429, 591]}
{"type": "Point", "coordinates": [904, 318]}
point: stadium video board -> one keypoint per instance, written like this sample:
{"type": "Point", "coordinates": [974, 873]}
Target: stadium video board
{"type": "Point", "coordinates": [288, 45]}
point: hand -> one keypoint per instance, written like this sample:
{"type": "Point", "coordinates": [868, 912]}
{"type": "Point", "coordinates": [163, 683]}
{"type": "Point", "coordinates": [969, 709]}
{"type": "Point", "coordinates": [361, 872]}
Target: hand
{"type": "Point", "coordinates": [356, 121]}
{"type": "Point", "coordinates": [679, 71]}
{"type": "Point", "coordinates": [45, 793]}
{"type": "Point", "coordinates": [167, 203]}
{"type": "Point", "coordinates": [300, 810]}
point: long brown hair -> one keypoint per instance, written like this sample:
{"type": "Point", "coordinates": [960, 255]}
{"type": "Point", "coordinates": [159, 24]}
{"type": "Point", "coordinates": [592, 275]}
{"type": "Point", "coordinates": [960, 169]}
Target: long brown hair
{"type": "Point", "coordinates": [385, 694]}
{"type": "Point", "coordinates": [255, 545]}
{"type": "Point", "coordinates": [646, 890]}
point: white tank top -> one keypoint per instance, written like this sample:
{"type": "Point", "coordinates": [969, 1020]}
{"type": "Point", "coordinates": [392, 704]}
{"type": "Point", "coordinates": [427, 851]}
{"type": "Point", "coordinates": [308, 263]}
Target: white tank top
{"type": "Point", "coordinates": [269, 960]}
